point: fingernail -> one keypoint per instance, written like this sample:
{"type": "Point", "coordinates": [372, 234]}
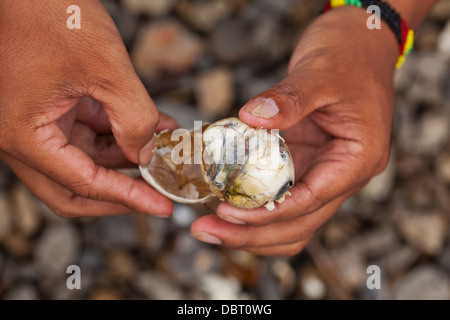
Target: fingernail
{"type": "Point", "coordinates": [145, 155]}
{"type": "Point", "coordinates": [206, 237]}
{"type": "Point", "coordinates": [231, 219]}
{"type": "Point", "coordinates": [263, 108]}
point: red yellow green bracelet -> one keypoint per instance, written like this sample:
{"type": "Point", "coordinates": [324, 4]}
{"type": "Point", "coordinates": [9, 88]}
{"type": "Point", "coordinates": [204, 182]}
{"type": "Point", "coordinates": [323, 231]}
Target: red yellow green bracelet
{"type": "Point", "coordinates": [403, 34]}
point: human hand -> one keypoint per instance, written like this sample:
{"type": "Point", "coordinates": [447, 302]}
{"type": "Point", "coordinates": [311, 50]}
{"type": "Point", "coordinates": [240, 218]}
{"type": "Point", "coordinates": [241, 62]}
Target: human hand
{"type": "Point", "coordinates": [336, 106]}
{"type": "Point", "coordinates": [63, 94]}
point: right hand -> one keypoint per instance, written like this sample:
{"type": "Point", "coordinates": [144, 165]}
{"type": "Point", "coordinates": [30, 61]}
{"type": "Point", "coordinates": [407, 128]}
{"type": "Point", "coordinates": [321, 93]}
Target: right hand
{"type": "Point", "coordinates": [61, 93]}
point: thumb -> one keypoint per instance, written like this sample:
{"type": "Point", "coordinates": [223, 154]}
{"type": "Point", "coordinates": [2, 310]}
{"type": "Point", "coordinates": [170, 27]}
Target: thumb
{"type": "Point", "coordinates": [133, 116]}
{"type": "Point", "coordinates": [282, 105]}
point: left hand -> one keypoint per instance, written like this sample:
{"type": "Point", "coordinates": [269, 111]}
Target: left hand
{"type": "Point", "coordinates": [336, 106]}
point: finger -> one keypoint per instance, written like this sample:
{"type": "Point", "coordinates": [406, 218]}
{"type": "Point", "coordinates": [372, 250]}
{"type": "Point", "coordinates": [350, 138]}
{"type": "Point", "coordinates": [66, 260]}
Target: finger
{"type": "Point", "coordinates": [284, 250]}
{"type": "Point", "coordinates": [284, 104]}
{"type": "Point", "coordinates": [59, 199]}
{"type": "Point", "coordinates": [242, 236]}
{"type": "Point", "coordinates": [239, 236]}
{"type": "Point", "coordinates": [166, 122]}
{"type": "Point", "coordinates": [51, 154]}
{"type": "Point", "coordinates": [130, 110]}
{"type": "Point", "coordinates": [336, 172]}
{"type": "Point", "coordinates": [103, 150]}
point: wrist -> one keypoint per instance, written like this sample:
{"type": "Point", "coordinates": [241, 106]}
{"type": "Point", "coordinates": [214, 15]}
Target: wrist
{"type": "Point", "coordinates": [343, 32]}
{"type": "Point", "coordinates": [412, 11]}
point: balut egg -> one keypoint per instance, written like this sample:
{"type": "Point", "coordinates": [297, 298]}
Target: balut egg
{"type": "Point", "coordinates": [245, 166]}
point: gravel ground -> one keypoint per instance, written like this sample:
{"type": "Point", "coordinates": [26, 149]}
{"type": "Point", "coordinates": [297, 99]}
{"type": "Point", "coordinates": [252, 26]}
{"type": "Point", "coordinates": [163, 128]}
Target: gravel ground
{"type": "Point", "coordinates": [181, 49]}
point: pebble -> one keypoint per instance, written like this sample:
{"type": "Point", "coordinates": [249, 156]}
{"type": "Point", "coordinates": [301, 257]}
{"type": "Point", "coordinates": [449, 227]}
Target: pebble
{"type": "Point", "coordinates": [285, 274]}
{"type": "Point", "coordinates": [215, 92]}
{"type": "Point", "coordinates": [183, 215]}
{"type": "Point", "coordinates": [423, 283]}
{"type": "Point", "coordinates": [113, 232]}
{"type": "Point", "coordinates": [398, 260]}
{"type": "Point", "coordinates": [27, 217]}
{"type": "Point", "coordinates": [425, 231]}
{"type": "Point", "coordinates": [433, 133]}
{"type": "Point", "coordinates": [204, 15]}
{"type": "Point", "coordinates": [379, 188]}
{"type": "Point", "coordinates": [230, 42]}
{"type": "Point", "coordinates": [165, 46]}
{"type": "Point", "coordinates": [5, 217]}
{"type": "Point", "coordinates": [270, 41]}
{"type": "Point", "coordinates": [122, 265]}
{"type": "Point", "coordinates": [22, 292]}
{"type": "Point", "coordinates": [440, 11]}
{"type": "Point", "coordinates": [350, 266]}
{"type": "Point", "coordinates": [57, 249]}
{"type": "Point", "coordinates": [375, 243]}
{"type": "Point", "coordinates": [154, 8]}
{"type": "Point", "coordinates": [17, 245]}
{"type": "Point", "coordinates": [155, 285]}
{"type": "Point", "coordinates": [313, 287]}
{"type": "Point", "coordinates": [105, 294]}
{"type": "Point", "coordinates": [219, 287]}
{"type": "Point", "coordinates": [443, 167]}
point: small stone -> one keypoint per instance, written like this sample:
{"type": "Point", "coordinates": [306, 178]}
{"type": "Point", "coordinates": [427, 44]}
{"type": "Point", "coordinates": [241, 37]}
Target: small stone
{"type": "Point", "coordinates": [350, 266]}
{"type": "Point", "coordinates": [183, 215]}
{"type": "Point", "coordinates": [105, 294]}
{"type": "Point", "coordinates": [27, 217]}
{"type": "Point", "coordinates": [443, 167]}
{"type": "Point", "coordinates": [154, 8]}
{"type": "Point", "coordinates": [229, 41]}
{"type": "Point", "coordinates": [424, 231]}
{"type": "Point", "coordinates": [423, 283]}
{"type": "Point", "coordinates": [311, 285]}
{"type": "Point", "coordinates": [218, 287]}
{"type": "Point", "coordinates": [204, 15]}
{"type": "Point", "coordinates": [379, 188]}
{"type": "Point", "coordinates": [121, 265]}
{"type": "Point", "coordinates": [434, 133]}
{"type": "Point", "coordinates": [270, 41]}
{"type": "Point", "coordinates": [440, 11]}
{"type": "Point", "coordinates": [399, 260]}
{"type": "Point", "coordinates": [165, 46]}
{"type": "Point", "coordinates": [17, 245]}
{"type": "Point", "coordinates": [427, 36]}
{"type": "Point", "coordinates": [215, 92]}
{"type": "Point", "coordinates": [5, 217]}
{"type": "Point", "coordinates": [285, 274]}
{"type": "Point", "coordinates": [57, 248]}
{"type": "Point", "coordinates": [116, 232]}
{"type": "Point", "coordinates": [155, 285]}
{"type": "Point", "coordinates": [375, 243]}
{"type": "Point", "coordinates": [184, 262]}
{"type": "Point", "coordinates": [444, 259]}
{"type": "Point", "coordinates": [22, 292]}
{"type": "Point", "coordinates": [339, 230]}
{"type": "Point", "coordinates": [410, 165]}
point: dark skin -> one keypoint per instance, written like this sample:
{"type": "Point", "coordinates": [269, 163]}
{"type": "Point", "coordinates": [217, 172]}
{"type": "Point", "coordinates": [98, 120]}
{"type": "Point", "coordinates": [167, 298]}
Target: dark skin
{"type": "Point", "coordinates": [63, 92]}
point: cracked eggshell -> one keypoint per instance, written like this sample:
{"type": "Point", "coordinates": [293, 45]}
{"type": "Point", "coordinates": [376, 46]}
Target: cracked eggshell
{"type": "Point", "coordinates": [184, 182]}
{"type": "Point", "coordinates": [247, 167]}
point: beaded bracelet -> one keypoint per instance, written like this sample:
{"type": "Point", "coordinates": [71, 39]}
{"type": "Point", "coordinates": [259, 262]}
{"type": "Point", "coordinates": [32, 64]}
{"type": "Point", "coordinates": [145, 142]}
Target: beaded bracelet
{"type": "Point", "coordinates": [404, 35]}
